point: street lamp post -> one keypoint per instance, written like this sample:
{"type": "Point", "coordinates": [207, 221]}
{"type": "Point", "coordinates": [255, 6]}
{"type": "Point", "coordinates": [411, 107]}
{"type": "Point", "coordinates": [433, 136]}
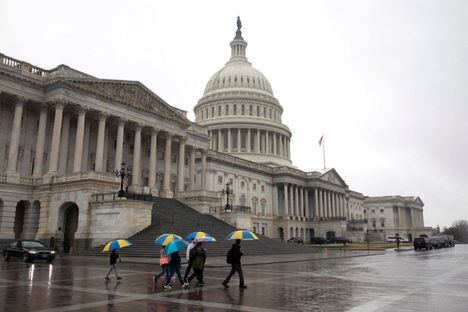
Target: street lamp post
{"type": "Point", "coordinates": [122, 173]}
{"type": "Point", "coordinates": [227, 191]}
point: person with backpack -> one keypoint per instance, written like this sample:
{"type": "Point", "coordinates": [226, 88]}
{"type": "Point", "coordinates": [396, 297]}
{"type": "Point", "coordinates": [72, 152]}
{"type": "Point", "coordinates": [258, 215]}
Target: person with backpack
{"type": "Point", "coordinates": [174, 267]}
{"type": "Point", "coordinates": [189, 256]}
{"type": "Point", "coordinates": [198, 262]}
{"type": "Point", "coordinates": [113, 260]}
{"type": "Point", "coordinates": [234, 259]}
{"type": "Point", "coordinates": [164, 263]}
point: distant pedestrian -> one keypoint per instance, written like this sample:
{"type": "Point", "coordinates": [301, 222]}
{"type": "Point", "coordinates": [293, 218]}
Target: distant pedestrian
{"type": "Point", "coordinates": [113, 260]}
{"type": "Point", "coordinates": [164, 263]}
{"type": "Point", "coordinates": [234, 258]}
{"type": "Point", "coordinates": [398, 242]}
{"type": "Point", "coordinates": [174, 268]}
{"type": "Point", "coordinates": [198, 262]}
{"type": "Point", "coordinates": [189, 256]}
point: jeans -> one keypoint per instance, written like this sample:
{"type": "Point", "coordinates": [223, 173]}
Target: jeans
{"type": "Point", "coordinates": [164, 270]}
{"type": "Point", "coordinates": [235, 267]}
{"type": "Point", "coordinates": [196, 273]}
{"type": "Point", "coordinates": [189, 267]}
{"type": "Point", "coordinates": [174, 269]}
{"type": "Point", "coordinates": [112, 267]}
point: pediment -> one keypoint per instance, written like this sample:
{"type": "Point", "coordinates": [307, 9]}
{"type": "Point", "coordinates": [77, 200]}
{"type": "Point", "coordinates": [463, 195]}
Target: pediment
{"type": "Point", "coordinates": [331, 176]}
{"type": "Point", "coordinates": [130, 93]}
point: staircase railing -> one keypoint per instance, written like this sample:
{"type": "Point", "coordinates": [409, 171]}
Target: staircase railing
{"type": "Point", "coordinates": [98, 197]}
{"type": "Point", "coordinates": [231, 209]}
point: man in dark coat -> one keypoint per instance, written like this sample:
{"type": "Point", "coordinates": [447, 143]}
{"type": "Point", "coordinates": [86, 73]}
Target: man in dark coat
{"type": "Point", "coordinates": [234, 258]}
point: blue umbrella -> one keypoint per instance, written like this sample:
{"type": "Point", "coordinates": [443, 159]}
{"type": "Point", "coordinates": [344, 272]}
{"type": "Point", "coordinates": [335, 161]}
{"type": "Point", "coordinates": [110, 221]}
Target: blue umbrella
{"type": "Point", "coordinates": [174, 246]}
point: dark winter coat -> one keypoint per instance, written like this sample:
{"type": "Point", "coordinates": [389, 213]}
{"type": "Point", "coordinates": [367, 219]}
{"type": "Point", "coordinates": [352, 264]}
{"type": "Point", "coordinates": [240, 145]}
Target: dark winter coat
{"type": "Point", "coordinates": [234, 254]}
{"type": "Point", "coordinates": [199, 258]}
{"type": "Point", "coordinates": [113, 257]}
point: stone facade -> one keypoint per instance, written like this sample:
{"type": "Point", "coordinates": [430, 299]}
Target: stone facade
{"type": "Point", "coordinates": [63, 133]}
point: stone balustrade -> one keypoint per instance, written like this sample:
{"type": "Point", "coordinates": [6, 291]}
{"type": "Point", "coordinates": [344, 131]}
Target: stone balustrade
{"type": "Point", "coordinates": [23, 67]}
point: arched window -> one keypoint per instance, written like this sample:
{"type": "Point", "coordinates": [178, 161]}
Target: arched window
{"type": "Point", "coordinates": [264, 112]}
{"type": "Point", "coordinates": [242, 200]}
{"type": "Point", "coordinates": [212, 111]}
{"type": "Point", "coordinates": [219, 110]}
{"type": "Point", "coordinates": [234, 110]}
{"type": "Point", "coordinates": [242, 110]}
{"type": "Point", "coordinates": [258, 111]}
{"type": "Point", "coordinates": [270, 113]}
{"type": "Point", "coordinates": [250, 110]}
{"type": "Point", "coordinates": [227, 110]}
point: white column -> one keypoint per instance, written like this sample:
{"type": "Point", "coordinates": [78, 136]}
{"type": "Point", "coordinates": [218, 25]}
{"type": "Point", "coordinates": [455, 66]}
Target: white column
{"type": "Point", "coordinates": [181, 164]}
{"type": "Point", "coordinates": [316, 205]}
{"type": "Point", "coordinates": [239, 140]}
{"type": "Point", "coordinates": [40, 142]}
{"type": "Point", "coordinates": [229, 141]}
{"type": "Point", "coordinates": [136, 171]}
{"type": "Point", "coordinates": [306, 203]}
{"type": "Point", "coordinates": [296, 200]}
{"type": "Point", "coordinates": [301, 201]}
{"type": "Point", "coordinates": [80, 129]}
{"type": "Point", "coordinates": [291, 200]}
{"type": "Point", "coordinates": [257, 148]}
{"type": "Point", "coordinates": [15, 136]}
{"type": "Point", "coordinates": [275, 149]}
{"type": "Point", "coordinates": [320, 204]}
{"type": "Point", "coordinates": [220, 141]}
{"type": "Point", "coordinates": [100, 143]}
{"type": "Point", "coordinates": [267, 143]}
{"type": "Point", "coordinates": [286, 203]}
{"type": "Point", "coordinates": [288, 151]}
{"type": "Point", "coordinates": [247, 144]}
{"type": "Point", "coordinates": [119, 145]}
{"type": "Point", "coordinates": [281, 145]}
{"type": "Point", "coordinates": [204, 170]}
{"type": "Point", "coordinates": [328, 201]}
{"type": "Point", "coordinates": [54, 150]}
{"type": "Point", "coordinates": [63, 160]}
{"type": "Point", "coordinates": [85, 155]}
{"type": "Point", "coordinates": [210, 133]}
{"type": "Point", "coordinates": [167, 168]}
{"type": "Point", "coordinates": [153, 160]}
{"type": "Point", "coordinates": [192, 169]}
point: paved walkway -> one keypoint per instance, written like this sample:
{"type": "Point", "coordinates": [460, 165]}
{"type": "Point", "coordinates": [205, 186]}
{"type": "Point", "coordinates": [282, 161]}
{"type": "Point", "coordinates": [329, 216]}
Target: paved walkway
{"type": "Point", "coordinates": [435, 280]}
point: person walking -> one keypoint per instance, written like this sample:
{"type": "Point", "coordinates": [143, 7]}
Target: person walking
{"type": "Point", "coordinates": [164, 263]}
{"type": "Point", "coordinates": [234, 258]}
{"type": "Point", "coordinates": [174, 267]}
{"type": "Point", "coordinates": [113, 260]}
{"type": "Point", "coordinates": [189, 257]}
{"type": "Point", "coordinates": [198, 263]}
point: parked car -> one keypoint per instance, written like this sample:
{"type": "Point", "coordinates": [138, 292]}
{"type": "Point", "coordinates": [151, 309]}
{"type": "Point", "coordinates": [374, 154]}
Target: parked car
{"type": "Point", "coordinates": [296, 240]}
{"type": "Point", "coordinates": [436, 242]}
{"type": "Point", "coordinates": [393, 239]}
{"type": "Point", "coordinates": [447, 240]}
{"type": "Point", "coordinates": [28, 251]}
{"type": "Point", "coordinates": [342, 240]}
{"type": "Point", "coordinates": [318, 240]}
{"type": "Point", "coordinates": [422, 242]}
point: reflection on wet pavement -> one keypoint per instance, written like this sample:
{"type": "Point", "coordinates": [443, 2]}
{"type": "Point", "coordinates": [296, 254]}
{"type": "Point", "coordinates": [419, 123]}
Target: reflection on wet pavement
{"type": "Point", "coordinates": [407, 281]}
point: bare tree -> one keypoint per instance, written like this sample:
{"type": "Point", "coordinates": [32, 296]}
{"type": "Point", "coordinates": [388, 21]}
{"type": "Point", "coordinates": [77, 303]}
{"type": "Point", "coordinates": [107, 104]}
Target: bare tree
{"type": "Point", "coordinates": [459, 230]}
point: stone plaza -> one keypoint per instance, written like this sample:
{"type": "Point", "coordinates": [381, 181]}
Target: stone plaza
{"type": "Point", "coordinates": [355, 281]}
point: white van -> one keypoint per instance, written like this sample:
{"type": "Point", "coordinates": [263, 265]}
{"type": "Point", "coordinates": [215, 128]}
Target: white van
{"type": "Point", "coordinates": [392, 239]}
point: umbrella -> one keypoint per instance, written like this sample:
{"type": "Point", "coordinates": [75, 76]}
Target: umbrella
{"type": "Point", "coordinates": [242, 234]}
{"type": "Point", "coordinates": [116, 244]}
{"type": "Point", "coordinates": [200, 237]}
{"type": "Point", "coordinates": [174, 246]}
{"type": "Point", "coordinates": [165, 239]}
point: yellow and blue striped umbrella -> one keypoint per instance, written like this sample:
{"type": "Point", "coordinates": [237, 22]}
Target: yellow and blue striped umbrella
{"type": "Point", "coordinates": [242, 234]}
{"type": "Point", "coordinates": [116, 244]}
{"type": "Point", "coordinates": [200, 237]}
{"type": "Point", "coordinates": [165, 239]}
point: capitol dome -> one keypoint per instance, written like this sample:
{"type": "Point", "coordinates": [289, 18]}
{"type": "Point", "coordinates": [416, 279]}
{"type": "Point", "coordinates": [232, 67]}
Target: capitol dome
{"type": "Point", "coordinates": [241, 113]}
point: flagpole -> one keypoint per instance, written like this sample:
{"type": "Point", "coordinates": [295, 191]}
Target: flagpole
{"type": "Point", "coordinates": [324, 167]}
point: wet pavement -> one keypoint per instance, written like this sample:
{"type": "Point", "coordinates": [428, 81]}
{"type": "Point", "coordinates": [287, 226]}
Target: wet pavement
{"type": "Point", "coordinates": [436, 280]}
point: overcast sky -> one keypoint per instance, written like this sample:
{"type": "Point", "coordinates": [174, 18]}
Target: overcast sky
{"type": "Point", "coordinates": [385, 81]}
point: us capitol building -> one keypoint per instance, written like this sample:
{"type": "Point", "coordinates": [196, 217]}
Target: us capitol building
{"type": "Point", "coordinates": [64, 133]}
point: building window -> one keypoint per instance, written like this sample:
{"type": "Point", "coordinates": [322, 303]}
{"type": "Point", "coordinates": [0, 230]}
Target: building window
{"type": "Point", "coordinates": [258, 111]}
{"type": "Point", "coordinates": [250, 110]}
{"type": "Point", "coordinates": [263, 188]}
{"type": "Point", "coordinates": [254, 187]}
{"type": "Point", "coordinates": [227, 110]}
{"type": "Point", "coordinates": [242, 185]}
{"type": "Point", "coordinates": [373, 210]}
{"type": "Point", "coordinates": [264, 112]}
{"type": "Point", "coordinates": [212, 111]}
{"type": "Point", "coordinates": [219, 110]}
{"type": "Point", "coordinates": [242, 110]}
{"type": "Point", "coordinates": [381, 210]}
{"type": "Point", "coordinates": [220, 179]}
{"type": "Point", "coordinates": [234, 110]}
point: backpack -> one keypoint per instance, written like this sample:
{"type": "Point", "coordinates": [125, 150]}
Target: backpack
{"type": "Point", "coordinates": [229, 256]}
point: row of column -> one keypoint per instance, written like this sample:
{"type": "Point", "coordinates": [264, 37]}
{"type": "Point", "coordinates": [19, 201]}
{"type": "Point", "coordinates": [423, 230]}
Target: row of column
{"type": "Point", "coordinates": [57, 140]}
{"type": "Point", "coordinates": [330, 204]}
{"type": "Point", "coordinates": [264, 141]}
{"type": "Point", "coordinates": [296, 201]}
